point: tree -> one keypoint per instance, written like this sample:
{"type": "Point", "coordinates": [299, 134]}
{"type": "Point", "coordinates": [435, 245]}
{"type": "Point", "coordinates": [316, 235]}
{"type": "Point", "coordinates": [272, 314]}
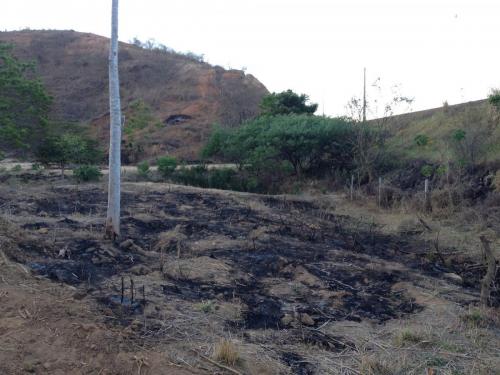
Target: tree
{"type": "Point", "coordinates": [286, 102]}
{"type": "Point", "coordinates": [371, 154]}
{"type": "Point", "coordinates": [302, 144]}
{"type": "Point", "coordinates": [24, 103]}
{"type": "Point", "coordinates": [67, 149]}
{"type": "Point", "coordinates": [113, 215]}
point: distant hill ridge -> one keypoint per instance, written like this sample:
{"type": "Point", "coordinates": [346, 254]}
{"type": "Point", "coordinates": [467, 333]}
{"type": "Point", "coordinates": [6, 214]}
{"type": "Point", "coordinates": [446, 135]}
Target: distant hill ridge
{"type": "Point", "coordinates": [185, 96]}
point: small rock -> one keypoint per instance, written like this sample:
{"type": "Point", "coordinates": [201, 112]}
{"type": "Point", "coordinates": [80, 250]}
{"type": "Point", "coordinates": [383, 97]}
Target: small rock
{"type": "Point", "coordinates": [454, 278]}
{"type": "Point", "coordinates": [306, 319]}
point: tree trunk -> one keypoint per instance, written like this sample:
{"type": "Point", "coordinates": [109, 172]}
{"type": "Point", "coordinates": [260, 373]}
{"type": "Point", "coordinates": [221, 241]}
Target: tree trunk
{"type": "Point", "coordinates": [113, 216]}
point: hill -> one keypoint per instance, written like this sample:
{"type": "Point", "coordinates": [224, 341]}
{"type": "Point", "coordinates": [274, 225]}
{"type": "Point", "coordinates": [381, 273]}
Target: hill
{"type": "Point", "coordinates": [178, 98]}
{"type": "Point", "coordinates": [438, 124]}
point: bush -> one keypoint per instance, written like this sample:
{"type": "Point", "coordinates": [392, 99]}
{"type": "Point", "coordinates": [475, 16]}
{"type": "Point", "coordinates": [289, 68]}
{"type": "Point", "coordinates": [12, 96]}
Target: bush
{"type": "Point", "coordinates": [143, 169]}
{"type": "Point", "coordinates": [69, 149]}
{"type": "Point", "coordinates": [166, 165]}
{"type": "Point", "coordinates": [422, 140]}
{"type": "Point", "coordinates": [194, 176]}
{"type": "Point", "coordinates": [223, 178]}
{"type": "Point", "coordinates": [300, 144]}
{"type": "Point", "coordinates": [427, 170]}
{"type": "Point", "coordinates": [86, 173]}
{"type": "Point", "coordinates": [16, 168]}
{"type": "Point", "coordinates": [494, 98]}
{"type": "Point", "coordinates": [36, 167]}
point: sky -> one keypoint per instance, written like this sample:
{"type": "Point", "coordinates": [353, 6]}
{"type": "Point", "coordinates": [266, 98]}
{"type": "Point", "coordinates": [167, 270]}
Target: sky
{"type": "Point", "coordinates": [431, 50]}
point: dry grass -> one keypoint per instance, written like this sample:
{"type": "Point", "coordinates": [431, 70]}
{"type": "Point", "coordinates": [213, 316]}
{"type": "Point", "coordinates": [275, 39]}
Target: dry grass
{"type": "Point", "coordinates": [373, 366]}
{"type": "Point", "coordinates": [408, 337]}
{"type": "Point", "coordinates": [226, 352]}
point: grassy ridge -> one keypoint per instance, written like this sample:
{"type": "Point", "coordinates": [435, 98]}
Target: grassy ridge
{"type": "Point", "coordinates": [439, 124]}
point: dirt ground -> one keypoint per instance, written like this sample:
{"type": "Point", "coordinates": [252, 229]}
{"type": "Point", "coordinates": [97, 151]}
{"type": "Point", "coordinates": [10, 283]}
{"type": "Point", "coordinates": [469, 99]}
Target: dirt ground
{"type": "Point", "coordinates": [213, 282]}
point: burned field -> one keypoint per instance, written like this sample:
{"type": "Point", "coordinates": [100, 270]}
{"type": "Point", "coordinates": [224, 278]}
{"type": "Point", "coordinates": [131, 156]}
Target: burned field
{"type": "Point", "coordinates": [298, 288]}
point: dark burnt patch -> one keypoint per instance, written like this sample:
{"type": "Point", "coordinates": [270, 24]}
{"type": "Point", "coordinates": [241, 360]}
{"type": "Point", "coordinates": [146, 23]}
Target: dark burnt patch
{"type": "Point", "coordinates": [262, 312]}
{"type": "Point", "coordinates": [66, 271]}
{"type": "Point", "coordinates": [35, 226]}
{"type": "Point", "coordinates": [297, 364]}
{"type": "Point", "coordinates": [321, 340]}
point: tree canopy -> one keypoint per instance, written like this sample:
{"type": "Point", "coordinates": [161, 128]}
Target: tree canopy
{"type": "Point", "coordinates": [287, 102]}
{"type": "Point", "coordinates": [300, 143]}
{"type": "Point", "coordinates": [24, 102]}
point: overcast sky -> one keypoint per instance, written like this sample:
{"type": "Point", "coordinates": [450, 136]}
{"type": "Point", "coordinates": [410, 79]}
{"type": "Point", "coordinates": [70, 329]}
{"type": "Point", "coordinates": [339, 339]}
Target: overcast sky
{"type": "Point", "coordinates": [435, 50]}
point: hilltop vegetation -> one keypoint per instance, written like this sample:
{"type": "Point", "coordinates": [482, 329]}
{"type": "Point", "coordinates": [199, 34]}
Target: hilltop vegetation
{"type": "Point", "coordinates": [478, 120]}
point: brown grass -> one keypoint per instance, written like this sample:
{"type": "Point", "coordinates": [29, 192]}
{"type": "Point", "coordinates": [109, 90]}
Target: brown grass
{"type": "Point", "coordinates": [226, 352]}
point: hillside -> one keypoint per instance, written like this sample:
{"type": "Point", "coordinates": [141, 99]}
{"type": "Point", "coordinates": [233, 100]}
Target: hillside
{"type": "Point", "coordinates": [438, 124]}
{"type": "Point", "coordinates": [185, 97]}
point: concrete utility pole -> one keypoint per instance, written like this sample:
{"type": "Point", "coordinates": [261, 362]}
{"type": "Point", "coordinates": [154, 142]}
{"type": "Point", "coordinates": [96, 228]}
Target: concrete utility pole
{"type": "Point", "coordinates": [113, 214]}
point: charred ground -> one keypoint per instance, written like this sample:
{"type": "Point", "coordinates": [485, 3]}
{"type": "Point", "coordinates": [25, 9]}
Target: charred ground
{"type": "Point", "coordinates": [299, 287]}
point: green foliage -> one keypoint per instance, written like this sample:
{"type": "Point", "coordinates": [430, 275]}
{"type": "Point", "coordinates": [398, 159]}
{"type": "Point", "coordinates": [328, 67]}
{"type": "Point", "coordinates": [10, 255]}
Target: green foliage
{"type": "Point", "coordinates": [36, 167]}
{"type": "Point", "coordinates": [143, 169]}
{"type": "Point", "coordinates": [427, 170]}
{"type": "Point", "coordinates": [299, 144]}
{"type": "Point", "coordinates": [194, 176]}
{"type": "Point", "coordinates": [24, 103]}
{"type": "Point", "coordinates": [69, 148]}
{"type": "Point", "coordinates": [86, 173]}
{"type": "Point", "coordinates": [494, 98]}
{"type": "Point", "coordinates": [17, 168]}
{"type": "Point", "coordinates": [286, 102]}
{"type": "Point", "coordinates": [441, 170]}
{"type": "Point", "coordinates": [459, 135]}
{"type": "Point", "coordinates": [422, 140]}
{"type": "Point", "coordinates": [219, 178]}
{"type": "Point", "coordinates": [216, 146]}
{"type": "Point", "coordinates": [166, 165]}
{"type": "Point", "coordinates": [139, 117]}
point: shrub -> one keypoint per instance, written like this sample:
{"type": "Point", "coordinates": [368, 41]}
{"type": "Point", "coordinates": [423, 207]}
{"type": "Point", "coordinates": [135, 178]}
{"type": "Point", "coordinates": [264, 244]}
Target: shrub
{"type": "Point", "coordinates": [494, 98]}
{"type": "Point", "coordinates": [16, 168]}
{"type": "Point", "coordinates": [143, 169]}
{"type": "Point", "coordinates": [36, 167]}
{"type": "Point", "coordinates": [427, 170]}
{"type": "Point", "coordinates": [166, 165]}
{"type": "Point", "coordinates": [194, 176]}
{"type": "Point", "coordinates": [86, 173]}
{"type": "Point", "coordinates": [422, 140]}
{"type": "Point", "coordinates": [223, 178]}
{"type": "Point", "coordinates": [69, 149]}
